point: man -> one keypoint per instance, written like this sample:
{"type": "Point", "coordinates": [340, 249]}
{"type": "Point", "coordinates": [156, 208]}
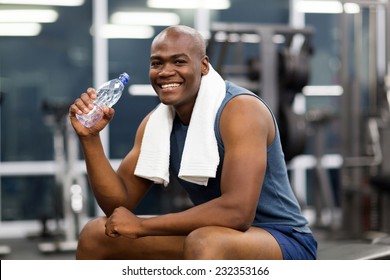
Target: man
{"type": "Point", "coordinates": [246, 210]}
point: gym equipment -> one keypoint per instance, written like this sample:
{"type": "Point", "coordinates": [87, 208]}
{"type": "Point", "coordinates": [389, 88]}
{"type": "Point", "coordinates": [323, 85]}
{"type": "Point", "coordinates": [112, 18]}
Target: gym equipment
{"type": "Point", "coordinates": [70, 208]}
{"type": "Point", "coordinates": [364, 124]}
{"type": "Point", "coordinates": [324, 195]}
{"type": "Point", "coordinates": [292, 128]}
{"type": "Point", "coordinates": [381, 184]}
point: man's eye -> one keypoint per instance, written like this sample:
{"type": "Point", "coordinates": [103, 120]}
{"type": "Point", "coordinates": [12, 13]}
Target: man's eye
{"type": "Point", "coordinates": [155, 63]}
{"type": "Point", "coordinates": [180, 61]}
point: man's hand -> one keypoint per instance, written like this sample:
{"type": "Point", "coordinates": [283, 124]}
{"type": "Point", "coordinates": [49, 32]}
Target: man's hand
{"type": "Point", "coordinates": [123, 223]}
{"type": "Point", "coordinates": [84, 105]}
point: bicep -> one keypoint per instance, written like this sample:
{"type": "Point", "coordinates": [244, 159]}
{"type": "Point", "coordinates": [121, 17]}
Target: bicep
{"type": "Point", "coordinates": [246, 126]}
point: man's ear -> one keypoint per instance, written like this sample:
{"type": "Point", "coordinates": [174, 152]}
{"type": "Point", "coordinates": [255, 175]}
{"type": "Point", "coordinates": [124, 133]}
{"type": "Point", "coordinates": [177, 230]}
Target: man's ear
{"type": "Point", "coordinates": [205, 65]}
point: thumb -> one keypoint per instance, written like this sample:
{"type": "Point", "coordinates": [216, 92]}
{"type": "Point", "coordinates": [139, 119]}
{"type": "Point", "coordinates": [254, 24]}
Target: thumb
{"type": "Point", "coordinates": [108, 114]}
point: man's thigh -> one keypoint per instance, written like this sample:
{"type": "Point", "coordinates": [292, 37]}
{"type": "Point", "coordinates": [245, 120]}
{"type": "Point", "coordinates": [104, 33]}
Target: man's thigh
{"type": "Point", "coordinates": [147, 248]}
{"type": "Point", "coordinates": [226, 243]}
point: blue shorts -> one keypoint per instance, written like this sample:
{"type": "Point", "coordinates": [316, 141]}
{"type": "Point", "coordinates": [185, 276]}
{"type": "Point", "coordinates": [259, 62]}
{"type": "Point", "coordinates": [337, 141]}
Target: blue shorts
{"type": "Point", "coordinates": [295, 245]}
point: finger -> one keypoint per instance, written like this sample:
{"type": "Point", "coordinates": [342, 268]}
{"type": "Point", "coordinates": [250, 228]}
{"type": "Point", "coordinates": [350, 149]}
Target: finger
{"type": "Point", "coordinates": [108, 112]}
{"type": "Point", "coordinates": [84, 104]}
{"type": "Point", "coordinates": [111, 233]}
{"type": "Point", "coordinates": [73, 109]}
{"type": "Point", "coordinates": [92, 93]}
{"type": "Point", "coordinates": [80, 104]}
{"type": "Point", "coordinates": [87, 101]}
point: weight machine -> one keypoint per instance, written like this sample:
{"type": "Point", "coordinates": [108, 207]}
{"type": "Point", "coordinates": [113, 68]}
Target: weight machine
{"type": "Point", "coordinates": [70, 192]}
{"type": "Point", "coordinates": [365, 120]}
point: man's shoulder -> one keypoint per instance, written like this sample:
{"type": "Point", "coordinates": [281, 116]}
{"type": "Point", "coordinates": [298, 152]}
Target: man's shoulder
{"type": "Point", "coordinates": [235, 89]}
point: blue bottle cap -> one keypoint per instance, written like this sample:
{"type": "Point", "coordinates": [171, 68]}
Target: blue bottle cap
{"type": "Point", "coordinates": [124, 77]}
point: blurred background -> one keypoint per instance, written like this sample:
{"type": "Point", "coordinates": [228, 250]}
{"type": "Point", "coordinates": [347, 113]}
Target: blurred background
{"type": "Point", "coordinates": [322, 66]}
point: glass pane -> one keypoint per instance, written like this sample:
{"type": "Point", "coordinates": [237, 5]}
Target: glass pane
{"type": "Point", "coordinates": [51, 68]}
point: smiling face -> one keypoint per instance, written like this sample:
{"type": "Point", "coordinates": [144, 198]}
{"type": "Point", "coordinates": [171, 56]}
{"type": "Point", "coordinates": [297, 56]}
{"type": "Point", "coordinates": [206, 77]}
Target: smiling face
{"type": "Point", "coordinates": [177, 63]}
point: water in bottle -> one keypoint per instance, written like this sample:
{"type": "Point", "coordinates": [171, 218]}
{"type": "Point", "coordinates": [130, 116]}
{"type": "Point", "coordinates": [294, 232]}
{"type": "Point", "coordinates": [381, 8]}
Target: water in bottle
{"type": "Point", "coordinates": [106, 96]}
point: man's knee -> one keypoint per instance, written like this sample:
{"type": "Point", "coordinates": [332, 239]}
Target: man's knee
{"type": "Point", "coordinates": [90, 235]}
{"type": "Point", "coordinates": [203, 243]}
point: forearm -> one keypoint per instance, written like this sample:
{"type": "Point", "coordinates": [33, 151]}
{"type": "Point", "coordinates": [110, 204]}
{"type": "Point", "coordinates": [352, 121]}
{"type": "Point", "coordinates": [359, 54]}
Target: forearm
{"type": "Point", "coordinates": [107, 187]}
{"type": "Point", "coordinates": [212, 213]}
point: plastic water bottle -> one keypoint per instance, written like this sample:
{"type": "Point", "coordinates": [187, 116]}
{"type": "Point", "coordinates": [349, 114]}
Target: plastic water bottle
{"type": "Point", "coordinates": [106, 96]}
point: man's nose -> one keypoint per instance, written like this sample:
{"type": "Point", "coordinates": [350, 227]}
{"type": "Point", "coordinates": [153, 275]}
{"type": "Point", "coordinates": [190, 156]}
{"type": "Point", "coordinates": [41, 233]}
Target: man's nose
{"type": "Point", "coordinates": [167, 70]}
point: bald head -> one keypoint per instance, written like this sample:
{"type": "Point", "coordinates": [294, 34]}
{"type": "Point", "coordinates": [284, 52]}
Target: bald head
{"type": "Point", "coordinates": [193, 35]}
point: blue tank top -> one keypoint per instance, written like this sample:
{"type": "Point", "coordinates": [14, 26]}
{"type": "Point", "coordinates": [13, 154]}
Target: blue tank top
{"type": "Point", "coordinates": [277, 203]}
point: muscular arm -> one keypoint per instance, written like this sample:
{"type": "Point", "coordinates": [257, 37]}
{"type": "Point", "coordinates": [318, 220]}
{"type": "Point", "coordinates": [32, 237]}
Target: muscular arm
{"type": "Point", "coordinates": [246, 128]}
{"type": "Point", "coordinates": [112, 189]}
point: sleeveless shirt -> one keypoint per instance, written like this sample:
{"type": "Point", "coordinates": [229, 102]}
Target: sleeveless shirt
{"type": "Point", "coordinates": [277, 204]}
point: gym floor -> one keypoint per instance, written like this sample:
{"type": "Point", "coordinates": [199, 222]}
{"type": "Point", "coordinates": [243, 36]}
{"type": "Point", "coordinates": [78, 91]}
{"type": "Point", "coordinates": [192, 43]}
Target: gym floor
{"type": "Point", "coordinates": [330, 248]}
{"type": "Point", "coordinates": [28, 249]}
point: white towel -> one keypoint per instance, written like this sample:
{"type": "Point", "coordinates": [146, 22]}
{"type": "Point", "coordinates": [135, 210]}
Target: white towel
{"type": "Point", "coordinates": [200, 157]}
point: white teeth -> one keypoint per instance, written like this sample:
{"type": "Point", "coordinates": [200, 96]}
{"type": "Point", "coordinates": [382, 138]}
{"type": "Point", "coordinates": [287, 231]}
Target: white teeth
{"type": "Point", "coordinates": [170, 85]}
